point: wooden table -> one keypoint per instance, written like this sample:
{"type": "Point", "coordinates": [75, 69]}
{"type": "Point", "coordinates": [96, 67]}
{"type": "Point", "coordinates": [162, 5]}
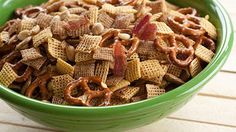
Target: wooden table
{"type": "Point", "coordinates": [213, 109]}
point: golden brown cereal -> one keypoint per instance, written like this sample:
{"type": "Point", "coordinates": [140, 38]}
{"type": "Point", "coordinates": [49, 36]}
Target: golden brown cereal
{"type": "Point", "coordinates": [64, 67]}
{"type": "Point", "coordinates": [58, 29]}
{"type": "Point", "coordinates": [133, 57]}
{"type": "Point", "coordinates": [123, 83]}
{"type": "Point", "coordinates": [80, 57]}
{"type": "Point", "coordinates": [195, 67]}
{"type": "Point", "coordinates": [102, 69]}
{"type": "Point", "coordinates": [30, 54]}
{"type": "Point", "coordinates": [58, 100]}
{"type": "Point", "coordinates": [128, 92]}
{"type": "Point", "coordinates": [84, 69]}
{"type": "Point", "coordinates": [44, 20]}
{"type": "Point", "coordinates": [103, 53]}
{"type": "Point", "coordinates": [37, 63]}
{"type": "Point", "coordinates": [154, 90]}
{"type": "Point", "coordinates": [175, 70]}
{"type": "Point", "coordinates": [133, 71]}
{"type": "Point", "coordinates": [4, 38]}
{"type": "Point", "coordinates": [88, 43]}
{"type": "Point", "coordinates": [113, 80]}
{"type": "Point", "coordinates": [27, 24]}
{"type": "Point", "coordinates": [93, 15]}
{"type": "Point", "coordinates": [209, 27]}
{"type": "Point", "coordinates": [7, 75]}
{"type": "Point", "coordinates": [156, 17]}
{"type": "Point", "coordinates": [151, 69]}
{"type": "Point", "coordinates": [42, 37]}
{"type": "Point", "coordinates": [204, 54]}
{"type": "Point", "coordinates": [105, 19]}
{"type": "Point", "coordinates": [162, 28]}
{"type": "Point", "coordinates": [55, 49]}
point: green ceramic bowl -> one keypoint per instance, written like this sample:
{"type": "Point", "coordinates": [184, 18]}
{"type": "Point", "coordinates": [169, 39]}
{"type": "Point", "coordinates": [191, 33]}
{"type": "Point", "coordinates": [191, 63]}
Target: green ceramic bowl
{"type": "Point", "coordinates": [128, 116]}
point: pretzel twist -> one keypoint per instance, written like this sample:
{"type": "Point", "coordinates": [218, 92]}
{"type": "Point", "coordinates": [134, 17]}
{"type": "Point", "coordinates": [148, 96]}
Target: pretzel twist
{"type": "Point", "coordinates": [188, 11]}
{"type": "Point", "coordinates": [89, 94]}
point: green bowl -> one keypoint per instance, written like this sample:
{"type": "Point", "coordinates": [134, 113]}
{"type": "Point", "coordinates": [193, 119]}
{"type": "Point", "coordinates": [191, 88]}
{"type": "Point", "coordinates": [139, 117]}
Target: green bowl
{"type": "Point", "coordinates": [128, 116]}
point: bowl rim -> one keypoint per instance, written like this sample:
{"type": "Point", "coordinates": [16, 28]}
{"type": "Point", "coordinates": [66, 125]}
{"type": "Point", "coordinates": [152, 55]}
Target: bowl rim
{"type": "Point", "coordinates": [193, 85]}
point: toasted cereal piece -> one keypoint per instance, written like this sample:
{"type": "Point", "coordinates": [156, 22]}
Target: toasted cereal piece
{"type": "Point", "coordinates": [113, 80]}
{"type": "Point", "coordinates": [151, 69]}
{"type": "Point", "coordinates": [58, 30]}
{"type": "Point", "coordinates": [133, 71]}
{"type": "Point", "coordinates": [154, 90]}
{"type": "Point", "coordinates": [122, 21]}
{"type": "Point", "coordinates": [83, 29]}
{"type": "Point", "coordinates": [133, 57]}
{"type": "Point", "coordinates": [58, 84]}
{"type": "Point", "coordinates": [172, 69]}
{"type": "Point", "coordinates": [163, 29]}
{"type": "Point", "coordinates": [125, 9]}
{"type": "Point", "coordinates": [123, 83]}
{"type": "Point", "coordinates": [209, 27]}
{"type": "Point", "coordinates": [128, 92]}
{"type": "Point", "coordinates": [88, 43]}
{"type": "Point", "coordinates": [84, 69]}
{"type": "Point", "coordinates": [103, 53]}
{"type": "Point", "coordinates": [171, 6]}
{"type": "Point", "coordinates": [80, 57]}
{"type": "Point", "coordinates": [102, 69]}
{"type": "Point", "coordinates": [195, 67]}
{"type": "Point", "coordinates": [161, 57]}
{"type": "Point", "coordinates": [7, 75]}
{"type": "Point", "coordinates": [44, 20]}
{"type": "Point", "coordinates": [156, 17]}
{"type": "Point", "coordinates": [105, 19]}
{"type": "Point", "coordinates": [117, 101]}
{"type": "Point", "coordinates": [157, 6]}
{"type": "Point", "coordinates": [37, 63]}
{"type": "Point", "coordinates": [93, 15]}
{"type": "Point", "coordinates": [159, 79]}
{"type": "Point", "coordinates": [14, 28]}
{"type": "Point", "coordinates": [4, 38]}
{"type": "Point", "coordinates": [109, 8]}
{"type": "Point", "coordinates": [146, 48]}
{"type": "Point", "coordinates": [57, 100]}
{"type": "Point", "coordinates": [42, 37]}
{"type": "Point", "coordinates": [27, 24]}
{"type": "Point", "coordinates": [204, 54]}
{"type": "Point", "coordinates": [55, 49]}
{"type": "Point", "coordinates": [173, 79]}
{"type": "Point", "coordinates": [30, 54]}
{"type": "Point", "coordinates": [64, 67]}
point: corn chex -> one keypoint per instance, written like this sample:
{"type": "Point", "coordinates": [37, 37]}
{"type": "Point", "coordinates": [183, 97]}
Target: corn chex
{"type": "Point", "coordinates": [133, 71]}
{"type": "Point", "coordinates": [113, 80]}
{"type": "Point", "coordinates": [103, 53]}
{"type": "Point", "coordinates": [162, 28]}
{"type": "Point", "coordinates": [64, 67]}
{"type": "Point", "coordinates": [42, 37]}
{"type": "Point", "coordinates": [58, 100]}
{"type": "Point", "coordinates": [105, 19]}
{"type": "Point", "coordinates": [4, 38]}
{"type": "Point", "coordinates": [7, 75]}
{"type": "Point", "coordinates": [173, 69]}
{"type": "Point", "coordinates": [44, 20]}
{"type": "Point", "coordinates": [151, 69]}
{"type": "Point", "coordinates": [84, 69]}
{"type": "Point", "coordinates": [93, 15]}
{"type": "Point", "coordinates": [80, 56]}
{"type": "Point", "coordinates": [88, 43]}
{"type": "Point", "coordinates": [133, 56]}
{"type": "Point", "coordinates": [30, 54]}
{"type": "Point", "coordinates": [123, 83]}
{"type": "Point", "coordinates": [204, 54]}
{"type": "Point", "coordinates": [209, 27]}
{"type": "Point", "coordinates": [102, 69]}
{"type": "Point", "coordinates": [154, 90]}
{"type": "Point", "coordinates": [37, 63]}
{"type": "Point", "coordinates": [55, 49]}
{"type": "Point", "coordinates": [195, 67]}
{"type": "Point", "coordinates": [128, 92]}
{"type": "Point", "coordinates": [27, 24]}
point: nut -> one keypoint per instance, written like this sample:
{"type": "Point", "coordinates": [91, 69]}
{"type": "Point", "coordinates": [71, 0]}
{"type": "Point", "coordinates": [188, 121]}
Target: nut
{"type": "Point", "coordinates": [35, 30]}
{"type": "Point", "coordinates": [70, 53]}
{"type": "Point", "coordinates": [124, 36]}
{"type": "Point", "coordinates": [63, 8]}
{"type": "Point", "coordinates": [97, 28]}
{"type": "Point", "coordinates": [24, 34]}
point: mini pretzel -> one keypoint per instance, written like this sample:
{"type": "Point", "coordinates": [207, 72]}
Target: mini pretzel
{"type": "Point", "coordinates": [206, 42]}
{"type": "Point", "coordinates": [32, 12]}
{"type": "Point", "coordinates": [188, 25]}
{"type": "Point", "coordinates": [188, 11]}
{"type": "Point", "coordinates": [89, 94]}
{"type": "Point", "coordinates": [174, 50]}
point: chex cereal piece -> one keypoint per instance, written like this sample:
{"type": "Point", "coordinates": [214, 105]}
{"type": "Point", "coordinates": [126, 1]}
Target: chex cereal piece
{"type": "Point", "coordinates": [57, 100]}
{"type": "Point", "coordinates": [105, 19]}
{"type": "Point", "coordinates": [209, 27]}
{"type": "Point", "coordinates": [157, 56]}
{"type": "Point", "coordinates": [30, 54]}
{"type": "Point", "coordinates": [175, 70]}
{"type": "Point", "coordinates": [154, 90]}
{"type": "Point", "coordinates": [42, 37]}
{"type": "Point", "coordinates": [109, 8]}
{"type": "Point", "coordinates": [58, 30]}
{"type": "Point", "coordinates": [128, 92]}
{"type": "Point", "coordinates": [133, 56]}
{"type": "Point", "coordinates": [103, 53]}
{"type": "Point", "coordinates": [204, 54]}
{"type": "Point", "coordinates": [83, 29]}
{"type": "Point", "coordinates": [156, 17]}
{"type": "Point", "coordinates": [113, 80]}
{"type": "Point", "coordinates": [7, 75]}
{"type": "Point", "coordinates": [162, 28]}
{"type": "Point", "coordinates": [117, 101]}
{"type": "Point", "coordinates": [151, 69]}
{"type": "Point", "coordinates": [84, 69]}
{"type": "Point", "coordinates": [55, 49]}
{"type": "Point", "coordinates": [93, 15]}
{"type": "Point", "coordinates": [123, 83]}
{"type": "Point", "coordinates": [122, 21]}
{"type": "Point", "coordinates": [195, 67]}
{"type": "Point", "coordinates": [146, 48]}
{"type": "Point", "coordinates": [157, 6]}
{"type": "Point", "coordinates": [27, 24]}
{"type": "Point", "coordinates": [101, 70]}
{"type": "Point", "coordinates": [80, 56]}
{"type": "Point", "coordinates": [133, 71]}
{"type": "Point", "coordinates": [14, 28]}
{"type": "Point", "coordinates": [37, 63]}
{"type": "Point", "coordinates": [44, 20]}
{"type": "Point", "coordinates": [58, 84]}
{"type": "Point", "coordinates": [125, 9]}
{"type": "Point", "coordinates": [4, 38]}
{"type": "Point", "coordinates": [88, 43]}
{"type": "Point", "coordinates": [64, 67]}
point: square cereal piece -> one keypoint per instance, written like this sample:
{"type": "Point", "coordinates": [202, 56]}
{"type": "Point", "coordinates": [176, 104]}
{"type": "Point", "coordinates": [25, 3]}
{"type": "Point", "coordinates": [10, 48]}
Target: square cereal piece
{"type": "Point", "coordinates": [80, 56]}
{"type": "Point", "coordinates": [151, 69]}
{"type": "Point", "coordinates": [30, 54]}
{"type": "Point", "coordinates": [58, 100]}
{"type": "Point", "coordinates": [103, 53]}
{"type": "Point", "coordinates": [55, 49]}
{"type": "Point", "coordinates": [58, 84]}
{"type": "Point", "coordinates": [156, 17]}
{"type": "Point", "coordinates": [157, 6]}
{"type": "Point", "coordinates": [175, 70]}
{"type": "Point", "coordinates": [133, 71]}
{"type": "Point", "coordinates": [123, 83]}
{"type": "Point", "coordinates": [93, 15]}
{"type": "Point", "coordinates": [127, 93]}
{"type": "Point", "coordinates": [42, 37]}
{"type": "Point", "coordinates": [113, 80]}
{"type": "Point", "coordinates": [204, 54]}
{"type": "Point", "coordinates": [102, 69]}
{"type": "Point", "coordinates": [7, 75]}
{"type": "Point", "coordinates": [163, 29]}
{"type": "Point", "coordinates": [133, 57]}
{"type": "Point", "coordinates": [88, 43]}
{"type": "Point", "coordinates": [37, 63]}
{"type": "Point", "coordinates": [122, 21]}
{"type": "Point", "coordinates": [64, 67]}
{"type": "Point", "coordinates": [27, 24]}
{"type": "Point", "coordinates": [105, 19]}
{"type": "Point", "coordinates": [209, 27]}
{"type": "Point", "coordinates": [195, 67]}
{"type": "Point", "coordinates": [84, 69]}
{"type": "Point", "coordinates": [108, 8]}
{"type": "Point", "coordinates": [154, 90]}
{"type": "Point", "coordinates": [146, 48]}
{"type": "Point", "coordinates": [44, 20]}
{"type": "Point", "coordinates": [4, 38]}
